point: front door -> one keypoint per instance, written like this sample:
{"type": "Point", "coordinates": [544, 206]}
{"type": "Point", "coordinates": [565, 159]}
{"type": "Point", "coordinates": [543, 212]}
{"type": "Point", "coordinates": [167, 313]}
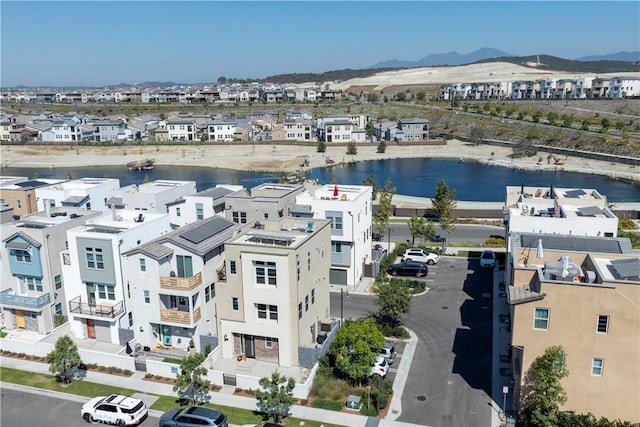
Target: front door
{"type": "Point", "coordinates": [249, 346]}
{"type": "Point", "coordinates": [166, 335]}
{"type": "Point", "coordinates": [20, 319]}
{"type": "Point", "coordinates": [91, 328]}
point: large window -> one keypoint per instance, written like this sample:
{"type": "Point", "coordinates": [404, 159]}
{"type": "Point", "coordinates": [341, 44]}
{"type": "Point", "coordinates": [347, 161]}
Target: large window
{"type": "Point", "coordinates": [541, 318]}
{"type": "Point", "coordinates": [265, 272]}
{"type": "Point", "coordinates": [239, 217]}
{"type": "Point", "coordinates": [106, 292]}
{"type": "Point", "coordinates": [597, 366]}
{"type": "Point", "coordinates": [22, 256]}
{"type": "Point", "coordinates": [95, 259]}
{"type": "Point", "coordinates": [603, 324]}
{"type": "Point", "coordinates": [336, 221]}
{"type": "Point", "coordinates": [266, 311]}
{"type": "Point", "coordinates": [32, 283]}
{"type": "Point", "coordinates": [185, 266]}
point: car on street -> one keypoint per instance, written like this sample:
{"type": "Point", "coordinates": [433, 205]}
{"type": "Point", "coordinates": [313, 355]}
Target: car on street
{"type": "Point", "coordinates": [115, 409]}
{"type": "Point", "coordinates": [388, 351]}
{"type": "Point", "coordinates": [488, 259]}
{"type": "Point", "coordinates": [408, 268]}
{"type": "Point", "coordinates": [380, 367]}
{"type": "Point", "coordinates": [193, 416]}
{"type": "Point", "coordinates": [420, 255]}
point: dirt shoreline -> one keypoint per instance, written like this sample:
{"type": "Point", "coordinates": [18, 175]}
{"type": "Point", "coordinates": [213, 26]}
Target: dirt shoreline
{"type": "Point", "coordinates": [288, 158]}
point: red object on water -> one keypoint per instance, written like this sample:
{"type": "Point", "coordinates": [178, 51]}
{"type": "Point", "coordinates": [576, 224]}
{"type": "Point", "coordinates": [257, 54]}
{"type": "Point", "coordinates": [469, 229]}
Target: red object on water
{"type": "Point", "coordinates": [335, 191]}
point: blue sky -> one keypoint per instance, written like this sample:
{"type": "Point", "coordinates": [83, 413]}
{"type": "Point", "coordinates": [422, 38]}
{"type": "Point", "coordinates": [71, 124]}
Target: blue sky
{"type": "Point", "coordinates": [101, 43]}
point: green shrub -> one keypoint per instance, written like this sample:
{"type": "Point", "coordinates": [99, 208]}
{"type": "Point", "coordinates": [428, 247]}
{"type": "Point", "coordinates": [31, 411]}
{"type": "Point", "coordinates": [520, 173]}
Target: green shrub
{"type": "Point", "coordinates": [494, 242]}
{"type": "Point", "coordinates": [368, 411]}
{"type": "Point", "coordinates": [327, 404]}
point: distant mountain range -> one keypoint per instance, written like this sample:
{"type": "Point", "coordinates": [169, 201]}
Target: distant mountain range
{"type": "Point", "coordinates": [481, 55]}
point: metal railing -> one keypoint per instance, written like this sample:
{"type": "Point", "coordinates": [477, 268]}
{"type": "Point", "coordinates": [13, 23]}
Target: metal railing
{"type": "Point", "coordinates": [9, 298]}
{"type": "Point", "coordinates": [102, 310]}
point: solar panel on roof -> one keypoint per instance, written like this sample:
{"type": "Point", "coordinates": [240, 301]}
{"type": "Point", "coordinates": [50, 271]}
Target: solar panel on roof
{"type": "Point", "coordinates": [572, 243]}
{"type": "Point", "coordinates": [574, 193]}
{"type": "Point", "coordinates": [589, 211]}
{"type": "Point", "coordinates": [627, 268]}
{"type": "Point", "coordinates": [204, 231]}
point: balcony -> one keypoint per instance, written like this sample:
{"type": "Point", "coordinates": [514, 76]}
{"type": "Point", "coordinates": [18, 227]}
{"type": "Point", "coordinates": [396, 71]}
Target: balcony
{"type": "Point", "coordinates": [181, 317]}
{"type": "Point", "coordinates": [181, 283]}
{"type": "Point", "coordinates": [99, 310]}
{"type": "Point", "coordinates": [8, 298]}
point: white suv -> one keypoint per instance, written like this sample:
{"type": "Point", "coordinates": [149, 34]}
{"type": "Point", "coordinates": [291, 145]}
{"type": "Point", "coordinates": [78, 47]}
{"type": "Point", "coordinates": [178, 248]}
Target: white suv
{"type": "Point", "coordinates": [417, 254]}
{"type": "Point", "coordinates": [115, 409]}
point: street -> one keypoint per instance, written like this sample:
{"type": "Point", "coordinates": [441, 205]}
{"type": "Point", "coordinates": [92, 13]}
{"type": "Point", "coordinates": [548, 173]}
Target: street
{"type": "Point", "coordinates": [463, 233]}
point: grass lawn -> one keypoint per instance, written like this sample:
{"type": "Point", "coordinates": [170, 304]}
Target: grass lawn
{"type": "Point", "coordinates": [172, 360]}
{"type": "Point", "coordinates": [89, 389]}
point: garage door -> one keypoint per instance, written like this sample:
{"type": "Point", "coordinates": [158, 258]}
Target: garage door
{"type": "Point", "coordinates": [31, 321]}
{"type": "Point", "coordinates": [103, 332]}
{"type": "Point", "coordinates": [338, 277]}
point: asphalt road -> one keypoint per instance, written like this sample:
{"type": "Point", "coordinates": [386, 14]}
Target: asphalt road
{"type": "Point", "coordinates": [20, 408]}
{"type": "Point", "coordinates": [449, 383]}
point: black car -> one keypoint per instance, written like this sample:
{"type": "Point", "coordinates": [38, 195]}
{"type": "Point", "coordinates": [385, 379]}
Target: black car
{"type": "Point", "coordinates": [376, 237]}
{"type": "Point", "coordinates": [193, 416]}
{"type": "Point", "coordinates": [408, 268]}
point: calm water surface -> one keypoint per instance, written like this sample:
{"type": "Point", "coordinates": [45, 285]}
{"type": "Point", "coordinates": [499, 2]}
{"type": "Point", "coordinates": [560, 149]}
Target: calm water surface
{"type": "Point", "coordinates": [413, 177]}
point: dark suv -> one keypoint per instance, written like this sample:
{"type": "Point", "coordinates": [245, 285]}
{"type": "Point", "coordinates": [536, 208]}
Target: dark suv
{"type": "Point", "coordinates": [408, 268]}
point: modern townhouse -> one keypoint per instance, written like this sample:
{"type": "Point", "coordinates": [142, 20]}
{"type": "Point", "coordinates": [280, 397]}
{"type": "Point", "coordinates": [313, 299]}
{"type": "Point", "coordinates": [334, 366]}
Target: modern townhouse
{"type": "Point", "coordinates": [32, 295]}
{"type": "Point", "coordinates": [274, 95]}
{"type": "Point", "coordinates": [298, 130]}
{"type": "Point", "coordinates": [202, 205]}
{"type": "Point", "coordinates": [84, 193]}
{"type": "Point", "coordinates": [172, 283]}
{"type": "Point", "coordinates": [181, 129]}
{"type": "Point", "coordinates": [524, 89]}
{"type": "Point", "coordinates": [222, 130]}
{"type": "Point", "coordinates": [600, 88]}
{"type": "Point", "coordinates": [582, 88]}
{"type": "Point", "coordinates": [92, 271]}
{"type": "Point", "coordinates": [581, 293]}
{"type": "Point", "coordinates": [273, 304]}
{"type": "Point", "coordinates": [349, 209]}
{"type": "Point", "coordinates": [624, 87]}
{"type": "Point", "coordinates": [263, 202]}
{"type": "Point", "coordinates": [414, 129]}
{"type": "Point", "coordinates": [311, 95]}
{"type": "Point", "coordinates": [63, 131]}
{"type": "Point", "coordinates": [151, 196]}
{"type": "Point", "coordinates": [547, 88]}
{"type": "Point", "coordinates": [20, 193]}
{"type": "Point", "coordinates": [109, 130]}
{"type": "Point", "coordinates": [334, 129]}
{"type": "Point", "coordinates": [564, 88]}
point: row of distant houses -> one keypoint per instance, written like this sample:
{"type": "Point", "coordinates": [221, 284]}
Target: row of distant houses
{"type": "Point", "coordinates": [258, 126]}
{"type": "Point", "coordinates": [581, 88]}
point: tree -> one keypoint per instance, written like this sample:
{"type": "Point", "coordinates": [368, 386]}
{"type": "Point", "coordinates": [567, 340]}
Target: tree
{"type": "Point", "coordinates": [385, 208]}
{"type": "Point", "coordinates": [355, 348]}
{"type": "Point", "coordinates": [542, 393]}
{"type": "Point", "coordinates": [352, 149]}
{"type": "Point", "coordinates": [373, 183]}
{"type": "Point", "coordinates": [477, 134]}
{"type": "Point", "coordinates": [444, 204]}
{"type": "Point", "coordinates": [382, 146]}
{"type": "Point", "coordinates": [276, 395]}
{"type": "Point", "coordinates": [222, 80]}
{"type": "Point", "coordinates": [394, 300]}
{"type": "Point", "coordinates": [420, 96]}
{"type": "Point", "coordinates": [417, 226]}
{"type": "Point", "coordinates": [322, 147]}
{"type": "Point", "coordinates": [63, 358]}
{"type": "Point", "coordinates": [191, 382]}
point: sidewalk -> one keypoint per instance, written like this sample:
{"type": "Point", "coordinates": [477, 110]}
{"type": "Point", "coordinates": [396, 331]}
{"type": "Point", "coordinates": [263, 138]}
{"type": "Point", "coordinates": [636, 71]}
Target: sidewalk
{"type": "Point", "coordinates": [135, 382]}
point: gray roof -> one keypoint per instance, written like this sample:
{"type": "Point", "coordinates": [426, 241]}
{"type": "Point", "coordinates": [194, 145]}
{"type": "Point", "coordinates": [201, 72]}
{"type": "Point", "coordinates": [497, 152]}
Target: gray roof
{"type": "Point", "coordinates": [215, 192]}
{"type": "Point", "coordinates": [75, 200]}
{"type": "Point", "coordinates": [627, 269]}
{"type": "Point", "coordinates": [572, 243]}
{"type": "Point", "coordinates": [153, 250]}
{"type": "Point", "coordinates": [590, 211]}
{"type": "Point", "coordinates": [301, 209]}
{"type": "Point", "coordinates": [27, 238]}
{"type": "Point", "coordinates": [574, 193]}
{"type": "Point", "coordinates": [414, 121]}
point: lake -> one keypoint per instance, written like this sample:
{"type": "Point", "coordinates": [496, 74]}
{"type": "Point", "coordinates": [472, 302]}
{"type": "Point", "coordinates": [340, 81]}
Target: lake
{"type": "Point", "coordinates": [418, 177]}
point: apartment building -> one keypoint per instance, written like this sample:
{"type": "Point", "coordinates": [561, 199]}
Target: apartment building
{"type": "Point", "coordinates": [274, 300]}
{"type": "Point", "coordinates": [263, 202]}
{"type": "Point", "coordinates": [92, 272]}
{"type": "Point", "coordinates": [580, 292]}
{"type": "Point", "coordinates": [202, 205]}
{"type": "Point", "coordinates": [171, 284]}
{"type": "Point", "coordinates": [151, 196]}
{"type": "Point", "coordinates": [32, 293]}
{"type": "Point", "coordinates": [86, 193]}
{"type": "Point", "coordinates": [20, 193]}
{"type": "Point", "coordinates": [624, 87]}
{"type": "Point", "coordinates": [348, 208]}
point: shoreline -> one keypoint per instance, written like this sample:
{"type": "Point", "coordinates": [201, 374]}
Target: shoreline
{"type": "Point", "coordinates": [289, 158]}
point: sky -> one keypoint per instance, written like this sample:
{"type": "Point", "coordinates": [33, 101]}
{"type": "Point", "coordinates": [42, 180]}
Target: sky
{"type": "Point", "coordinates": [94, 43]}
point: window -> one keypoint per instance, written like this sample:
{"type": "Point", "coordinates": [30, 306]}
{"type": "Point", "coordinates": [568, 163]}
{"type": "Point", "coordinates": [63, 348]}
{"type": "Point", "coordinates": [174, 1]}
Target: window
{"type": "Point", "coordinates": [265, 272]}
{"type": "Point", "coordinates": [209, 292]}
{"type": "Point", "coordinates": [266, 311]}
{"type": "Point", "coordinates": [336, 247]}
{"type": "Point", "coordinates": [235, 304]}
{"type": "Point", "coordinates": [298, 269]}
{"type": "Point", "coordinates": [336, 221]}
{"type": "Point", "coordinates": [33, 284]}
{"type": "Point", "coordinates": [239, 217]}
{"type": "Point", "coordinates": [147, 299]}
{"type": "Point", "coordinates": [541, 318]}
{"type": "Point", "coordinates": [313, 296]}
{"type": "Point", "coordinates": [603, 324]}
{"type": "Point", "coordinates": [177, 211]}
{"type": "Point", "coordinates": [268, 343]}
{"type": "Point", "coordinates": [306, 303]}
{"type": "Point", "coordinates": [199, 211]}
{"type": "Point", "coordinates": [143, 264]}
{"type": "Point", "coordinates": [22, 256]}
{"type": "Point", "coordinates": [107, 292]}
{"type": "Point", "coordinates": [308, 261]}
{"type": "Point", "coordinates": [95, 259]}
{"type": "Point", "coordinates": [299, 310]}
{"type": "Point", "coordinates": [58, 309]}
{"type": "Point", "coordinates": [232, 267]}
{"type": "Point", "coordinates": [185, 266]}
{"type": "Point", "coordinates": [597, 366]}
{"type": "Point", "coordinates": [130, 319]}
{"type": "Point", "coordinates": [57, 280]}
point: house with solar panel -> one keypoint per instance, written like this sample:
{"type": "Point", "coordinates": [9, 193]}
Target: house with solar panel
{"type": "Point", "coordinates": [85, 193]}
{"type": "Point", "coordinates": [20, 193]}
{"type": "Point", "coordinates": [172, 282]}
{"type": "Point", "coordinates": [570, 281]}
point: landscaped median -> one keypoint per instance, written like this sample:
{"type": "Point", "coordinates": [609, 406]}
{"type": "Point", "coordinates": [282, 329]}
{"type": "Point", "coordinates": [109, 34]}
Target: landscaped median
{"type": "Point", "coordinates": [88, 389]}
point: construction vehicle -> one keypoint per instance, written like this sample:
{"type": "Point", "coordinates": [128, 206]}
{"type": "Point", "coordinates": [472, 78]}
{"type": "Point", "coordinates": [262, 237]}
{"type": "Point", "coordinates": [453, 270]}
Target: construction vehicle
{"type": "Point", "coordinates": [556, 160]}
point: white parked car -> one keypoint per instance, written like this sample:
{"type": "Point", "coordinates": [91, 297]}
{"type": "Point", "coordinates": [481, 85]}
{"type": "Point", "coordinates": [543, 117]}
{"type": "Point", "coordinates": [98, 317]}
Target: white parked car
{"type": "Point", "coordinates": [380, 366]}
{"type": "Point", "coordinates": [488, 259]}
{"type": "Point", "coordinates": [417, 254]}
{"type": "Point", "coordinates": [115, 409]}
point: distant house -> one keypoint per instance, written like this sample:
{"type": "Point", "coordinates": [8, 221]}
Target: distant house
{"type": "Point", "coordinates": [181, 129]}
{"type": "Point", "coordinates": [109, 130]}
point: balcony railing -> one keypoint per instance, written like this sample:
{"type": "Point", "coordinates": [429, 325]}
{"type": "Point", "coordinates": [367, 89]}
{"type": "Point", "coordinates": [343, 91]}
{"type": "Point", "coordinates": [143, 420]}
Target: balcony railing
{"type": "Point", "coordinates": [182, 317]}
{"type": "Point", "coordinates": [9, 298]}
{"type": "Point", "coordinates": [181, 283]}
{"type": "Point", "coordinates": [101, 310]}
